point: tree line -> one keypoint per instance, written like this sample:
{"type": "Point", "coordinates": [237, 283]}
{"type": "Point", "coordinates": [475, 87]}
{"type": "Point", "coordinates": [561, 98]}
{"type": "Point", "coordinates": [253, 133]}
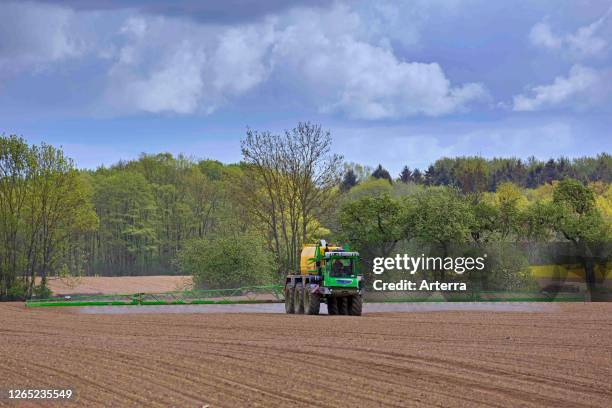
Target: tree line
{"type": "Point", "coordinates": [382, 220]}
{"type": "Point", "coordinates": [45, 212]}
{"type": "Point", "coordinates": [245, 223]}
{"type": "Point", "coordinates": [477, 174]}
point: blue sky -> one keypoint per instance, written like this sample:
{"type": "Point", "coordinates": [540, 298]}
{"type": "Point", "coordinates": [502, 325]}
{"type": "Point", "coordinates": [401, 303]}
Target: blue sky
{"type": "Point", "coordinates": [395, 82]}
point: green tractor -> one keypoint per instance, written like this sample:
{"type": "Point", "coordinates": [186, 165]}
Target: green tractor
{"type": "Point", "coordinates": [327, 274]}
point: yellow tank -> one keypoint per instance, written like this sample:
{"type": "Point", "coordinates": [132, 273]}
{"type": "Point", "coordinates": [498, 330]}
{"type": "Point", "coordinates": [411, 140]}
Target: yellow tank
{"type": "Point", "coordinates": [307, 263]}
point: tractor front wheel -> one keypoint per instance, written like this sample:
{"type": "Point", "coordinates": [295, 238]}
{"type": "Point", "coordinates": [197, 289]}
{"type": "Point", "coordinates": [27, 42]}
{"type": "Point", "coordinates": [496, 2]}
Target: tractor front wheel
{"type": "Point", "coordinates": [355, 304]}
{"type": "Point", "coordinates": [343, 306]}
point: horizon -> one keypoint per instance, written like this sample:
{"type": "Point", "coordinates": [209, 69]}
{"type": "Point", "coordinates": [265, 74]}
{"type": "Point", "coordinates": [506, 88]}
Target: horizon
{"type": "Point", "coordinates": [197, 159]}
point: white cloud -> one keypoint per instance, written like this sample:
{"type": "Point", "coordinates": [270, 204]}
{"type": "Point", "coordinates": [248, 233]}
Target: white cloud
{"type": "Point", "coordinates": [580, 87]}
{"type": "Point", "coordinates": [160, 64]}
{"type": "Point", "coordinates": [365, 81]}
{"type": "Point", "coordinates": [241, 60]}
{"type": "Point", "coordinates": [374, 84]}
{"type": "Point", "coordinates": [542, 35]}
{"type": "Point", "coordinates": [174, 65]}
{"type": "Point", "coordinates": [583, 43]}
{"type": "Point", "coordinates": [34, 35]}
{"type": "Point", "coordinates": [176, 86]}
{"type": "Point", "coordinates": [583, 86]}
{"type": "Point", "coordinates": [178, 66]}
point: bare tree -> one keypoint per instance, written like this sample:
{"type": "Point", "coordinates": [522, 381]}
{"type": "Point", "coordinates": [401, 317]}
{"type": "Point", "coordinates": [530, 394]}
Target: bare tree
{"type": "Point", "coordinates": [292, 181]}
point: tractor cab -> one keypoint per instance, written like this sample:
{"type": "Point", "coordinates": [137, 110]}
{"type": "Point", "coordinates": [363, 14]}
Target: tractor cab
{"type": "Point", "coordinates": [340, 268]}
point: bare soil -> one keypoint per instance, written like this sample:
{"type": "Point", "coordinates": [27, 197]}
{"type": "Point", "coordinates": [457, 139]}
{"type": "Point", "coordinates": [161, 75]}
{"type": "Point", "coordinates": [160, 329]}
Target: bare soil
{"type": "Point", "coordinates": [119, 285]}
{"type": "Point", "coordinates": [557, 357]}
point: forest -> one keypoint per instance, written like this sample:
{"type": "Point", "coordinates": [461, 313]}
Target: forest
{"type": "Point", "coordinates": [244, 223]}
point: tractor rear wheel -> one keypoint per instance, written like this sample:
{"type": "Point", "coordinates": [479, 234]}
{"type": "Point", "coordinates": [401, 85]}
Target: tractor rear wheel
{"type": "Point", "coordinates": [332, 306]}
{"type": "Point", "coordinates": [355, 304]}
{"type": "Point", "coordinates": [343, 306]}
{"type": "Point", "coordinates": [312, 302]}
{"type": "Point", "coordinates": [298, 299]}
{"type": "Point", "coordinates": [289, 305]}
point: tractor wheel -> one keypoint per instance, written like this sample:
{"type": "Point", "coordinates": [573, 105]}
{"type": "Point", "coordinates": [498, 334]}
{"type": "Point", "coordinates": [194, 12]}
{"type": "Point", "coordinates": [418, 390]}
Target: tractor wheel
{"type": "Point", "coordinates": [312, 302]}
{"type": "Point", "coordinates": [289, 305]}
{"type": "Point", "coordinates": [298, 299]}
{"type": "Point", "coordinates": [343, 306]}
{"type": "Point", "coordinates": [355, 305]}
{"type": "Point", "coordinates": [332, 306]}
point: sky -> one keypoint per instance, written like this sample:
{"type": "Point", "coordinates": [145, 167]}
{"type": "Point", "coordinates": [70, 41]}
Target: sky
{"type": "Point", "coordinates": [395, 82]}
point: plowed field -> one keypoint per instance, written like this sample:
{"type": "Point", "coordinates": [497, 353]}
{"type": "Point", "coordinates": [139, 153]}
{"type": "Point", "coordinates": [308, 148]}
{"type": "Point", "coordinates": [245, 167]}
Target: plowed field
{"type": "Point", "coordinates": [558, 358]}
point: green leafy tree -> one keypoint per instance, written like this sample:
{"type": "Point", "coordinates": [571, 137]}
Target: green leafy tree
{"type": "Point", "coordinates": [577, 218]}
{"type": "Point", "coordinates": [472, 174]}
{"type": "Point", "coordinates": [16, 162]}
{"type": "Point", "coordinates": [441, 217]}
{"type": "Point", "coordinates": [349, 180]}
{"type": "Point", "coordinates": [128, 216]}
{"type": "Point", "coordinates": [227, 262]}
{"type": "Point", "coordinates": [572, 215]}
{"type": "Point", "coordinates": [373, 225]}
{"type": "Point", "coordinates": [382, 173]}
{"type": "Point", "coordinates": [509, 202]}
{"type": "Point", "coordinates": [45, 209]}
{"type": "Point", "coordinates": [486, 222]}
{"type": "Point", "coordinates": [406, 175]}
{"type": "Point", "coordinates": [417, 176]}
{"type": "Point", "coordinates": [369, 188]}
{"type": "Point", "coordinates": [362, 172]}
